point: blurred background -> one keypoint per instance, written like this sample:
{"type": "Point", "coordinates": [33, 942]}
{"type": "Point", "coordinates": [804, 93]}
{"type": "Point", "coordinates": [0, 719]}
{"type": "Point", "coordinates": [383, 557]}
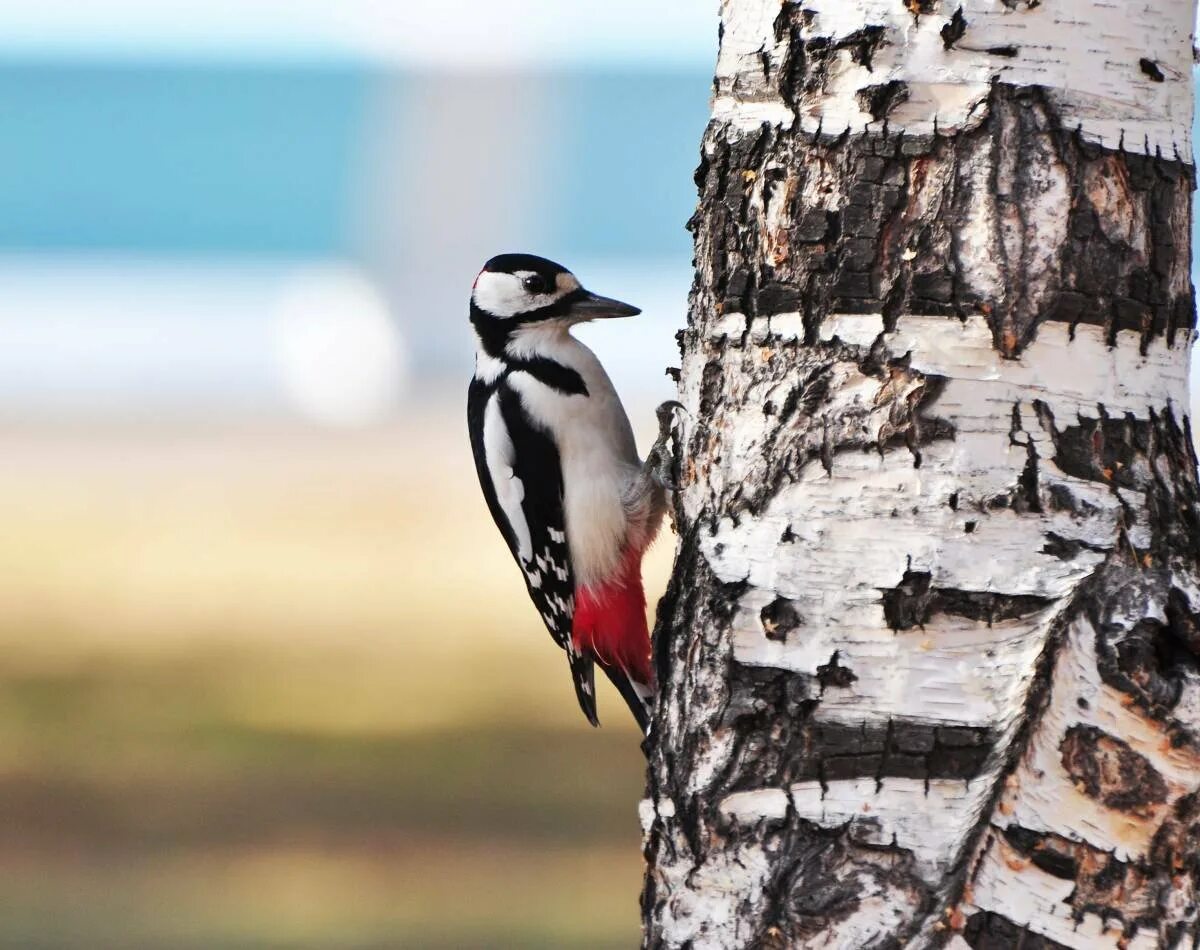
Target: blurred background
{"type": "Point", "coordinates": [268, 677]}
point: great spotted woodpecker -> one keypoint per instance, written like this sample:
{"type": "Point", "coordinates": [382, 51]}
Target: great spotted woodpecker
{"type": "Point", "coordinates": [559, 468]}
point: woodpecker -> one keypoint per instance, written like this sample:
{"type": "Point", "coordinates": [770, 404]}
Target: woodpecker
{"type": "Point", "coordinates": [560, 471]}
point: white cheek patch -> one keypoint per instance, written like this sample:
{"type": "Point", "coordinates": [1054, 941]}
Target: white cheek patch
{"type": "Point", "coordinates": [500, 295]}
{"type": "Point", "coordinates": [504, 295]}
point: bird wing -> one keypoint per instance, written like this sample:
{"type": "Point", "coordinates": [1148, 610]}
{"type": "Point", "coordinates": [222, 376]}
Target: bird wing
{"type": "Point", "coordinates": [521, 476]}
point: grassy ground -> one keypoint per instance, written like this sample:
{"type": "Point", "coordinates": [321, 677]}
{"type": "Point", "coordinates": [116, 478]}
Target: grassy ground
{"type": "Point", "coordinates": [252, 694]}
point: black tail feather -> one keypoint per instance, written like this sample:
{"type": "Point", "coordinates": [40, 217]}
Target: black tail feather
{"type": "Point", "coordinates": [583, 675]}
{"type": "Point", "coordinates": [620, 679]}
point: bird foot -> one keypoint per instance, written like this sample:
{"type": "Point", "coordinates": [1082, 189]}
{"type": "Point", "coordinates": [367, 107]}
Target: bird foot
{"type": "Point", "coordinates": [660, 461]}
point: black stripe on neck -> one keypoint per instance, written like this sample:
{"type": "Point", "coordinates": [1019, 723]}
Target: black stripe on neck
{"type": "Point", "coordinates": [546, 371]}
{"type": "Point", "coordinates": [558, 377]}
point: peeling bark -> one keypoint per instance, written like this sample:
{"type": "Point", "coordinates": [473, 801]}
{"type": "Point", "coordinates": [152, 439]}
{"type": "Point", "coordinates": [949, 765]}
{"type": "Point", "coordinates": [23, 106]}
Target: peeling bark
{"type": "Point", "coordinates": [930, 659]}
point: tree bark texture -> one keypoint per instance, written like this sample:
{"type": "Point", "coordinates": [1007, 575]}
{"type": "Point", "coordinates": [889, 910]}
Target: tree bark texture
{"type": "Point", "coordinates": [928, 662]}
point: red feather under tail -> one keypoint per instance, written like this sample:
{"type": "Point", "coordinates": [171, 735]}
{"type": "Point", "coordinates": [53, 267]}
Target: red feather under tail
{"type": "Point", "coordinates": [610, 620]}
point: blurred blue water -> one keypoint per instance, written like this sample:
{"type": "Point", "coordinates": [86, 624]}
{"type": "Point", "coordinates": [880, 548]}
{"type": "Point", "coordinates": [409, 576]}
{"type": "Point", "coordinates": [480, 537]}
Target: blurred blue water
{"type": "Point", "coordinates": [172, 158]}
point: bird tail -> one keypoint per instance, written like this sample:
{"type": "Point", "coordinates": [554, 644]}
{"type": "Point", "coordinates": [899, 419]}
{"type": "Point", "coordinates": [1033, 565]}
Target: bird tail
{"type": "Point", "coordinates": [583, 675]}
{"type": "Point", "coordinates": [639, 697]}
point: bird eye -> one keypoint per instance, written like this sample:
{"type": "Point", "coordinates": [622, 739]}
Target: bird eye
{"type": "Point", "coordinates": [534, 284]}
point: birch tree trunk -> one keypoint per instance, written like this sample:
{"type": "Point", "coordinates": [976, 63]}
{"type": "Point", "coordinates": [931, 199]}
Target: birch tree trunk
{"type": "Point", "coordinates": [929, 658]}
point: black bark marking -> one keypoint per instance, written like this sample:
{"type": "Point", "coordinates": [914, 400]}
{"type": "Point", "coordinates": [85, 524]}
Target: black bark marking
{"type": "Point", "coordinates": [912, 738]}
{"type": "Point", "coordinates": [860, 259]}
{"type": "Point", "coordinates": [936, 286]}
{"type": "Point", "coordinates": [953, 31]}
{"type": "Point", "coordinates": [986, 606]}
{"type": "Point", "coordinates": [1148, 662]}
{"type": "Point", "coordinates": [881, 99]}
{"type": "Point", "coordinates": [907, 604]}
{"type": "Point", "coordinates": [863, 44]}
{"type": "Point", "coordinates": [1008, 52]}
{"type": "Point", "coordinates": [773, 753]}
{"type": "Point", "coordinates": [1150, 68]}
{"type": "Point", "coordinates": [1106, 450]}
{"type": "Point", "coordinates": [805, 67]}
{"type": "Point", "coordinates": [913, 602]}
{"type": "Point", "coordinates": [1027, 497]}
{"type": "Point", "coordinates": [959, 752]}
{"type": "Point", "coordinates": [1043, 850]}
{"type": "Point", "coordinates": [988, 931]}
{"type": "Point", "coordinates": [821, 880]}
{"type": "Point", "coordinates": [769, 751]}
{"type": "Point", "coordinates": [1067, 549]}
{"type": "Point", "coordinates": [776, 297]}
{"type": "Point", "coordinates": [1175, 856]}
{"type": "Point", "coordinates": [811, 226]}
{"type": "Point", "coordinates": [901, 749]}
{"type": "Point", "coordinates": [803, 430]}
{"type": "Point", "coordinates": [1146, 643]}
{"type": "Point", "coordinates": [834, 674]}
{"type": "Point", "coordinates": [1107, 769]}
{"type": "Point", "coordinates": [1181, 631]}
{"type": "Point", "coordinates": [1129, 892]}
{"type": "Point", "coordinates": [779, 618]}
{"type": "Point", "coordinates": [842, 767]}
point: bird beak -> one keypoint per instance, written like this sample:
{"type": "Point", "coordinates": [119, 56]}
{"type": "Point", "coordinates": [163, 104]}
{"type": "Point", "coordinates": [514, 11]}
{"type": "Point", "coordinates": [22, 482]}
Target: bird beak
{"type": "Point", "coordinates": [591, 306]}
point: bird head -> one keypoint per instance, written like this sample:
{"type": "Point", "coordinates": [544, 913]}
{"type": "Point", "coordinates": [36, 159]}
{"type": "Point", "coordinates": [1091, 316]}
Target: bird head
{"type": "Point", "coordinates": [521, 289]}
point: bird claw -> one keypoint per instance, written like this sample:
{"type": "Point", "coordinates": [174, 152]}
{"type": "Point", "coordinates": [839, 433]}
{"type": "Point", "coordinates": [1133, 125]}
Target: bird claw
{"type": "Point", "coordinates": [661, 459]}
{"type": "Point", "coordinates": [666, 412]}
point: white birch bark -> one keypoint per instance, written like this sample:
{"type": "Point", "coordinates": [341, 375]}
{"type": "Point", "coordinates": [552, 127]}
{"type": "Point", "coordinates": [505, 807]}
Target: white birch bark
{"type": "Point", "coordinates": [928, 663]}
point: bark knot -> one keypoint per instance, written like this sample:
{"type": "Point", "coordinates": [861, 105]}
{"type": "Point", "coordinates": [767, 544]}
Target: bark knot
{"type": "Point", "coordinates": [1107, 769]}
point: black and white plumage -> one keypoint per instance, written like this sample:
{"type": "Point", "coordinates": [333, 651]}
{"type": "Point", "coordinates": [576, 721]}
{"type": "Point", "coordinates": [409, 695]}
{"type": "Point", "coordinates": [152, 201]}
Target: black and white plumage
{"type": "Point", "coordinates": [559, 469]}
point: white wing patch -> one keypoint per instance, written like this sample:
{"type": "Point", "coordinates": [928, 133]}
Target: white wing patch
{"type": "Point", "coordinates": [510, 490]}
